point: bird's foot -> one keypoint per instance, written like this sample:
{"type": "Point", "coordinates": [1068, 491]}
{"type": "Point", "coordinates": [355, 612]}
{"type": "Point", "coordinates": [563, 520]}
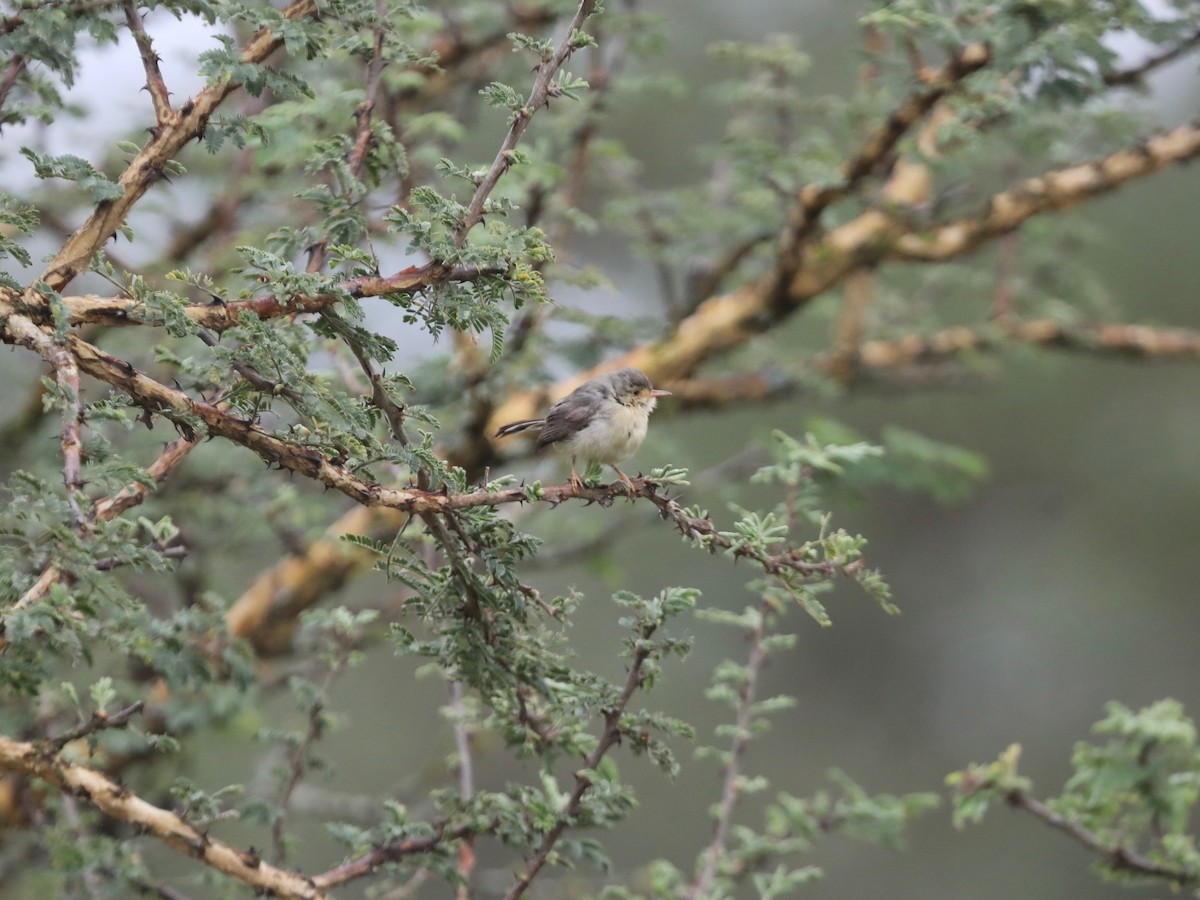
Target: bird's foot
{"type": "Point", "coordinates": [575, 480]}
{"type": "Point", "coordinates": [627, 481]}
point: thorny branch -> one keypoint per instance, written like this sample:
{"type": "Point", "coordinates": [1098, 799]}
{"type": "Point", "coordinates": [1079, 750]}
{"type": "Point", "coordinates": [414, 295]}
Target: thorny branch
{"type": "Point", "coordinates": [66, 374]}
{"type": "Point", "coordinates": [104, 510]}
{"type": "Point", "coordinates": [815, 199]}
{"type": "Point", "coordinates": [1119, 858]}
{"type": "Point", "coordinates": [443, 833]}
{"type": "Point", "coordinates": [365, 136]}
{"type": "Point", "coordinates": [159, 94]}
{"type": "Point", "coordinates": [724, 322]}
{"type": "Point", "coordinates": [610, 735]}
{"type": "Point", "coordinates": [99, 722]}
{"type": "Point", "coordinates": [731, 783]}
{"type": "Point", "coordinates": [45, 762]}
{"type": "Point", "coordinates": [466, 779]}
{"type": "Point", "coordinates": [539, 96]}
{"type": "Point", "coordinates": [92, 309]}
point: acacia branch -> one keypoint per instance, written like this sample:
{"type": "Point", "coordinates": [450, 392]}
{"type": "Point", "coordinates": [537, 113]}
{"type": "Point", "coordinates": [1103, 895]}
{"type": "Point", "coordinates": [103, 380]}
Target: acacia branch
{"type": "Point", "coordinates": [92, 309]}
{"type": "Point", "coordinates": [727, 321]}
{"type": "Point", "coordinates": [394, 851]}
{"type": "Point", "coordinates": [1135, 74]}
{"type": "Point", "coordinates": [1118, 858]}
{"type": "Point", "coordinates": [104, 510]}
{"type": "Point", "coordinates": [608, 737]}
{"type": "Point", "coordinates": [70, 8]}
{"type": "Point", "coordinates": [731, 784]}
{"type": "Point", "coordinates": [539, 96]}
{"type": "Point", "coordinates": [466, 779]}
{"type": "Point", "coordinates": [365, 134]}
{"type": "Point", "coordinates": [174, 131]}
{"type": "Point", "coordinates": [159, 95]}
{"type": "Point", "coordinates": [99, 721]}
{"type": "Point", "coordinates": [16, 65]}
{"type": "Point", "coordinates": [879, 357]}
{"type": "Point", "coordinates": [815, 199]}
{"type": "Point", "coordinates": [308, 461]}
{"type": "Point", "coordinates": [66, 374]}
{"type": "Point", "coordinates": [1056, 191]}
{"type": "Point", "coordinates": [267, 610]}
{"type": "Point", "coordinates": [119, 802]}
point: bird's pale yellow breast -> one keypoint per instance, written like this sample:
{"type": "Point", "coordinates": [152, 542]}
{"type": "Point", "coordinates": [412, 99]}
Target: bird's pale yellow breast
{"type": "Point", "coordinates": [611, 438]}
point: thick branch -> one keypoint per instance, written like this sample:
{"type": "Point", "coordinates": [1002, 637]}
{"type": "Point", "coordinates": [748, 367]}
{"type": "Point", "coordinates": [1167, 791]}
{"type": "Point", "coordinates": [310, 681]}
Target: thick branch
{"type": "Point", "coordinates": [91, 309]}
{"type": "Point", "coordinates": [172, 134]}
{"type": "Point", "coordinates": [814, 199]}
{"type": "Point", "coordinates": [1054, 191]}
{"type": "Point", "coordinates": [1136, 341]}
{"type": "Point", "coordinates": [727, 321]}
{"type": "Point", "coordinates": [119, 802]}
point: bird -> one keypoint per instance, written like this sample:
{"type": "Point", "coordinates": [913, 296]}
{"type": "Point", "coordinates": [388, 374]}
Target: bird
{"type": "Point", "coordinates": [603, 420]}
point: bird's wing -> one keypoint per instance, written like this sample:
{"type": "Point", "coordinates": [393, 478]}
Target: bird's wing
{"type": "Point", "coordinates": [565, 419]}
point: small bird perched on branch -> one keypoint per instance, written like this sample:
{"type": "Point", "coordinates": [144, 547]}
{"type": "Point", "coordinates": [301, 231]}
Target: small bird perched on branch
{"type": "Point", "coordinates": [603, 420]}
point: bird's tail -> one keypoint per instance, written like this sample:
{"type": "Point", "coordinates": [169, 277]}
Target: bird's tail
{"type": "Point", "coordinates": [517, 427]}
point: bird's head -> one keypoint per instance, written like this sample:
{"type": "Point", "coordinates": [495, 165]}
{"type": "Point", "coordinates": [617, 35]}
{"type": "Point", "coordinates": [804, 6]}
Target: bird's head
{"type": "Point", "coordinates": [631, 387]}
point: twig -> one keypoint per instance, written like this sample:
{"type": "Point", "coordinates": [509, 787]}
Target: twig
{"type": "Point", "coordinates": [466, 781]}
{"type": "Point", "coordinates": [394, 851]}
{"type": "Point", "coordinates": [1118, 858]}
{"type": "Point", "coordinates": [731, 784]}
{"type": "Point", "coordinates": [66, 374]}
{"type": "Point", "coordinates": [392, 411]}
{"type": "Point", "coordinates": [539, 96]}
{"type": "Point", "coordinates": [102, 511]}
{"type": "Point", "coordinates": [1135, 74]}
{"type": "Point", "coordinates": [16, 66]}
{"type": "Point", "coordinates": [99, 721]}
{"type": "Point", "coordinates": [297, 766]}
{"type": "Point", "coordinates": [608, 737]}
{"type": "Point", "coordinates": [108, 563]}
{"type": "Point", "coordinates": [365, 136]}
{"type": "Point", "coordinates": [159, 95]}
{"type": "Point", "coordinates": [252, 376]}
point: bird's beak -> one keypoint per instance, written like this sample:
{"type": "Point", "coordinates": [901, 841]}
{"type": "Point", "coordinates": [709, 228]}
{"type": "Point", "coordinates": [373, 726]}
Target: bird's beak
{"type": "Point", "coordinates": [658, 393]}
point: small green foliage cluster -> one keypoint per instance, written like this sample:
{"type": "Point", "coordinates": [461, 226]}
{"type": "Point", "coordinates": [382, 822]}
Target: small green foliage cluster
{"type": "Point", "coordinates": [1131, 798]}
